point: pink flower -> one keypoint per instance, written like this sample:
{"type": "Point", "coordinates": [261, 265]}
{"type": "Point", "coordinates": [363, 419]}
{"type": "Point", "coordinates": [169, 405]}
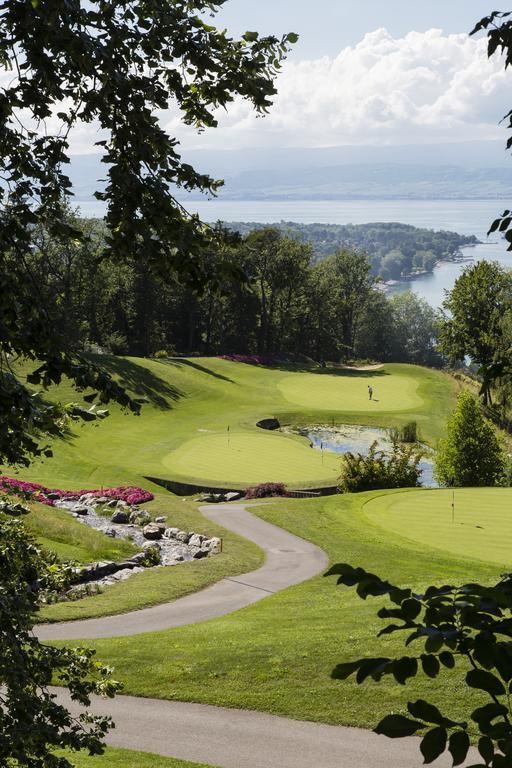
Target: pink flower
{"type": "Point", "coordinates": [128, 493]}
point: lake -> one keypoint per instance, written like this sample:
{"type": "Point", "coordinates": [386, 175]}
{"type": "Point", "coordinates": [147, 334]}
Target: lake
{"type": "Point", "coordinates": [468, 217]}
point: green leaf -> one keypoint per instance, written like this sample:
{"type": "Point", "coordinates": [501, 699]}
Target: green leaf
{"type": "Point", "coordinates": [459, 746]}
{"type": "Point", "coordinates": [430, 665]}
{"type": "Point", "coordinates": [433, 744]}
{"type": "Point", "coordinates": [425, 711]}
{"type": "Point", "coordinates": [486, 749]}
{"type": "Point", "coordinates": [485, 681]}
{"type": "Point", "coordinates": [293, 38]}
{"type": "Point", "coordinates": [397, 726]}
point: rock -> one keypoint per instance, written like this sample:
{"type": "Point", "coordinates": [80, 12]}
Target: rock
{"type": "Point", "coordinates": [111, 532]}
{"type": "Point", "coordinates": [101, 499]}
{"type": "Point", "coordinates": [170, 533]}
{"type": "Point", "coordinates": [120, 516]}
{"type": "Point", "coordinates": [182, 536]}
{"type": "Point", "coordinates": [139, 557]}
{"type": "Point", "coordinates": [160, 519]}
{"type": "Point", "coordinates": [140, 516]}
{"type": "Point", "coordinates": [195, 540]}
{"type": "Point", "coordinates": [200, 553]}
{"type": "Point", "coordinates": [179, 558]}
{"type": "Point", "coordinates": [53, 496]}
{"type": "Point", "coordinates": [152, 531]}
{"type": "Point", "coordinates": [112, 503]}
{"type": "Point", "coordinates": [214, 545]}
{"type": "Point", "coordinates": [78, 510]}
{"type": "Point", "coordinates": [122, 504]}
{"type": "Point", "coordinates": [233, 495]}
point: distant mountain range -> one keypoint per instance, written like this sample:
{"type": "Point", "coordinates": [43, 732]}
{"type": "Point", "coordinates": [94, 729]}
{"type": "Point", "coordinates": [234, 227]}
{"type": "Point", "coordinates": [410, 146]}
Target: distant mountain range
{"type": "Point", "coordinates": [470, 170]}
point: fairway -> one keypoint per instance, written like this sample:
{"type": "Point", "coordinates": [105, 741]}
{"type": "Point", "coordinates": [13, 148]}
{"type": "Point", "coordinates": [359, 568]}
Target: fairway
{"type": "Point", "coordinates": [349, 392]}
{"type": "Point", "coordinates": [245, 458]}
{"type": "Point", "coordinates": [481, 528]}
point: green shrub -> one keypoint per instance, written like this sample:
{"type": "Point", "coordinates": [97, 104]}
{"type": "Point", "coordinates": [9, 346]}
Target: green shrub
{"type": "Point", "coordinates": [162, 354]}
{"type": "Point", "coordinates": [406, 434]}
{"type": "Point", "coordinates": [471, 455]}
{"type": "Point", "coordinates": [398, 469]}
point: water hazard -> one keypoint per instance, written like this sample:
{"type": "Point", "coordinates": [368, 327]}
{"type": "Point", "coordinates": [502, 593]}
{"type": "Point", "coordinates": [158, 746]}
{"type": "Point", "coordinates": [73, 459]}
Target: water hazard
{"type": "Point", "coordinates": [350, 438]}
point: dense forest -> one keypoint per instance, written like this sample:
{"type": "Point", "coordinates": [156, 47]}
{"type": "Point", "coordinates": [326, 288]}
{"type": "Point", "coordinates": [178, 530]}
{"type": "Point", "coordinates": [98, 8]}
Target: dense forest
{"type": "Point", "coordinates": [395, 250]}
{"type": "Point", "coordinates": [274, 300]}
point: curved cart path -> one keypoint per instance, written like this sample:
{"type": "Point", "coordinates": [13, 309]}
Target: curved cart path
{"type": "Point", "coordinates": [233, 738]}
{"type": "Point", "coordinates": [289, 560]}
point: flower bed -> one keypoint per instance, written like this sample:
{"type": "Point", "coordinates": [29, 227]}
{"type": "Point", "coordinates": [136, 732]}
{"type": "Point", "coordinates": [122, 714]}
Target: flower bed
{"type": "Point", "coordinates": [130, 494]}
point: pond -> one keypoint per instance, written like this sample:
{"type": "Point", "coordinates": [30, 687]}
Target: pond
{"type": "Point", "coordinates": [350, 438]}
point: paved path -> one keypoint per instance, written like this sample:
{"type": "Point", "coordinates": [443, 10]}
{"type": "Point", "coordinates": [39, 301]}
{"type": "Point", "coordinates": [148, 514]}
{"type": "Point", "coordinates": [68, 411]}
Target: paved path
{"type": "Point", "coordinates": [234, 738]}
{"type": "Point", "coordinates": [289, 560]}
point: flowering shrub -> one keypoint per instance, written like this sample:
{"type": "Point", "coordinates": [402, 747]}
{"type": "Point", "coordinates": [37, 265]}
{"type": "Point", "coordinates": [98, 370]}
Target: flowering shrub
{"type": "Point", "coordinates": [265, 490]}
{"type": "Point", "coordinates": [128, 493]}
{"type": "Point", "coordinates": [250, 359]}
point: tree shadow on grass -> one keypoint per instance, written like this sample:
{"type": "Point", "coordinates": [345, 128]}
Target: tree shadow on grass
{"type": "Point", "coordinates": [329, 371]}
{"type": "Point", "coordinates": [140, 381]}
{"type": "Point", "coordinates": [197, 366]}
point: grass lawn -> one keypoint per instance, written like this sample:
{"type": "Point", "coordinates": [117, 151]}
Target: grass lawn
{"type": "Point", "coordinates": [481, 527]}
{"type": "Point", "coordinates": [61, 533]}
{"type": "Point", "coordinates": [182, 433]}
{"type": "Point", "coordinates": [125, 758]}
{"type": "Point", "coordinates": [277, 655]}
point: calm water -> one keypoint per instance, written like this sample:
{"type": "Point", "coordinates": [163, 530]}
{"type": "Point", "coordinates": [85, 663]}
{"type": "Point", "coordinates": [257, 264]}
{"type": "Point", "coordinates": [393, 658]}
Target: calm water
{"type": "Point", "coordinates": [468, 217]}
{"type": "Point", "coordinates": [350, 438]}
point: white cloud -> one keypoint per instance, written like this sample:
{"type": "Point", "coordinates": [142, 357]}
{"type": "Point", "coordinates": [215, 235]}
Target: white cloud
{"type": "Point", "coordinates": [424, 87]}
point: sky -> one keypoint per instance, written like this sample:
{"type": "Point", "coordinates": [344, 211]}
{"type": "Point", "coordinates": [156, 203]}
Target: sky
{"type": "Point", "coordinates": [366, 72]}
{"type": "Point", "coordinates": [327, 26]}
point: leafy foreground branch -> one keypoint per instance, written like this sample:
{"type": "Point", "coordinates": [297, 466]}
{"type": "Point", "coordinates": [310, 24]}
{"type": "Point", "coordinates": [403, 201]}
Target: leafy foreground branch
{"type": "Point", "coordinates": [471, 622]}
{"type": "Point", "coordinates": [32, 724]}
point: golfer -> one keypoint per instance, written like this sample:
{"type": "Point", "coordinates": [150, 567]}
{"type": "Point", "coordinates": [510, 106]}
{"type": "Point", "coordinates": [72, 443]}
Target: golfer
{"type": "Point", "coordinates": [370, 391]}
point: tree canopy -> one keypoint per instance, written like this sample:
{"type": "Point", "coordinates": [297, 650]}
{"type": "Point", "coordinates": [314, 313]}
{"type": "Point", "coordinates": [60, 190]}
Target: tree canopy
{"type": "Point", "coordinates": [114, 67]}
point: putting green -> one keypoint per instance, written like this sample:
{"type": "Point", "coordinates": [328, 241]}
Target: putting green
{"type": "Point", "coordinates": [349, 392]}
{"type": "Point", "coordinates": [251, 458]}
{"type": "Point", "coordinates": [481, 526]}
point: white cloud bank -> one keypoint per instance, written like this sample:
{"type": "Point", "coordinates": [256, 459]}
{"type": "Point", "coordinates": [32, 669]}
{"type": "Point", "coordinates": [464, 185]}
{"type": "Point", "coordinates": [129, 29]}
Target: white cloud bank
{"type": "Point", "coordinates": [424, 87]}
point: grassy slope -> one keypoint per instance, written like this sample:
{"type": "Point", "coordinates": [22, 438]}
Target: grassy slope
{"type": "Point", "coordinates": [59, 532]}
{"type": "Point", "coordinates": [182, 433]}
{"type": "Point", "coordinates": [277, 655]}
{"type": "Point", "coordinates": [124, 758]}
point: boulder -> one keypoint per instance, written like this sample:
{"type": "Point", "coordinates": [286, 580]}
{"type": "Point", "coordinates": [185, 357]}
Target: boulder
{"type": "Point", "coordinates": [140, 516]}
{"type": "Point", "coordinates": [182, 536]}
{"type": "Point", "coordinates": [152, 531]}
{"type": "Point", "coordinates": [112, 503]}
{"type": "Point", "coordinates": [200, 553]}
{"type": "Point", "coordinates": [79, 510]}
{"type": "Point", "coordinates": [195, 540]}
{"type": "Point", "coordinates": [53, 496]}
{"type": "Point", "coordinates": [120, 517]}
{"type": "Point", "coordinates": [233, 495]}
{"type": "Point", "coordinates": [170, 533]}
{"type": "Point", "coordinates": [160, 519]}
{"type": "Point", "coordinates": [139, 557]}
{"type": "Point", "coordinates": [214, 545]}
{"type": "Point", "coordinates": [111, 532]}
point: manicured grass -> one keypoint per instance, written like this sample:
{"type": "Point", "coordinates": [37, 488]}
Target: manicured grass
{"type": "Point", "coordinates": [391, 391]}
{"type": "Point", "coordinates": [277, 655]}
{"type": "Point", "coordinates": [125, 758]}
{"type": "Point", "coordinates": [59, 532]}
{"type": "Point", "coordinates": [481, 526]}
{"type": "Point", "coordinates": [159, 585]}
{"type": "Point", "coordinates": [182, 433]}
{"type": "Point", "coordinates": [252, 458]}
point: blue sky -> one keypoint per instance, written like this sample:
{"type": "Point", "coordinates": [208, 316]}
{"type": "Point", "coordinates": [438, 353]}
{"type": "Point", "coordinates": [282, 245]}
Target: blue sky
{"type": "Point", "coordinates": [327, 26]}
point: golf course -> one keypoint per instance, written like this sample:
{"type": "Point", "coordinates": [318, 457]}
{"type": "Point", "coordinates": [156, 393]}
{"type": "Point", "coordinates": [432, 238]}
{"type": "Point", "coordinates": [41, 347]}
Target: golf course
{"type": "Point", "coordinates": [198, 422]}
{"type": "Point", "coordinates": [275, 655]}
